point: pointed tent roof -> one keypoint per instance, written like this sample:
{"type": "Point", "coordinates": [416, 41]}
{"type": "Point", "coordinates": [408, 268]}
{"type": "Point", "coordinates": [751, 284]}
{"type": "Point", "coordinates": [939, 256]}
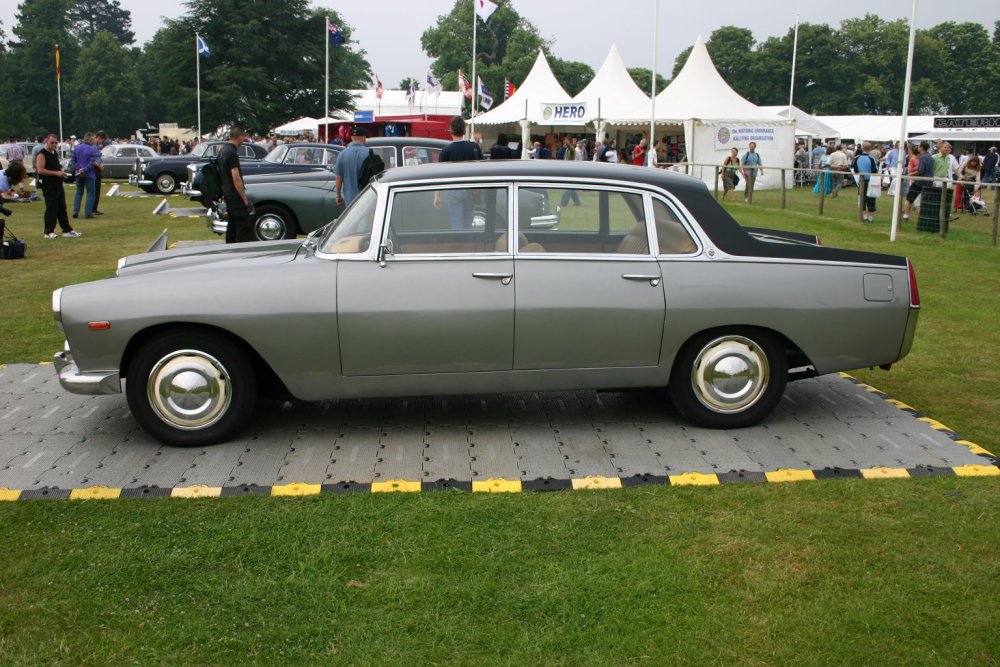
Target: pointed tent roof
{"type": "Point", "coordinates": [699, 91]}
{"type": "Point", "coordinates": [805, 121]}
{"type": "Point", "coordinates": [539, 87]}
{"type": "Point", "coordinates": [619, 95]}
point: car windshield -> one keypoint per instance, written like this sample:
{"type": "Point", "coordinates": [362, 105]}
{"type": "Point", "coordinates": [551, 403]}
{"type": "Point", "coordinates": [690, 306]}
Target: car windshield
{"type": "Point", "coordinates": [352, 231]}
{"type": "Point", "coordinates": [108, 151]}
{"type": "Point", "coordinates": [277, 154]}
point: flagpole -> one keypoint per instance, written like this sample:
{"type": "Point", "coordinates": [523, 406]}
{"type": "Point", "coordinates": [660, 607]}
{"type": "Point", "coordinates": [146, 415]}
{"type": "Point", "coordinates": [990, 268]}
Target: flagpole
{"type": "Point", "coordinates": [652, 97]}
{"type": "Point", "coordinates": [901, 149]}
{"type": "Point", "coordinates": [474, 81]}
{"type": "Point", "coordinates": [795, 53]}
{"type": "Point", "coordinates": [197, 68]}
{"type": "Point", "coordinates": [59, 92]}
{"type": "Point", "coordinates": [326, 96]}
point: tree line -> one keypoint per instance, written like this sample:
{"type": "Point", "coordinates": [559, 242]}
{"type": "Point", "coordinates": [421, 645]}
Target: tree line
{"type": "Point", "coordinates": [266, 64]}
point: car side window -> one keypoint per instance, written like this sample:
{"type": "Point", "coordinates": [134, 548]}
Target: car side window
{"type": "Point", "coordinates": [353, 231]}
{"type": "Point", "coordinates": [671, 236]}
{"type": "Point", "coordinates": [246, 151]}
{"type": "Point", "coordinates": [415, 155]}
{"type": "Point", "coordinates": [329, 157]}
{"type": "Point", "coordinates": [128, 153]}
{"type": "Point", "coordinates": [583, 221]}
{"type": "Point", "coordinates": [443, 220]}
{"type": "Point", "coordinates": [388, 155]}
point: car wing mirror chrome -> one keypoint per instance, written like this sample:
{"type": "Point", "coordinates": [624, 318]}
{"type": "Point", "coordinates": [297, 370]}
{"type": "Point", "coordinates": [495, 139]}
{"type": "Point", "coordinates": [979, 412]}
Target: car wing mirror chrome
{"type": "Point", "coordinates": [384, 251]}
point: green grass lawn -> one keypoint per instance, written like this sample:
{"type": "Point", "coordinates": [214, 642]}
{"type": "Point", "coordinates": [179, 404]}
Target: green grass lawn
{"type": "Point", "coordinates": [829, 572]}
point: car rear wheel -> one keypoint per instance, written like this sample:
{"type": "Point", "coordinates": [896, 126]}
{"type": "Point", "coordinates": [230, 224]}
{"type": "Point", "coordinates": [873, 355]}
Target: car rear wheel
{"type": "Point", "coordinates": [729, 379]}
{"type": "Point", "coordinates": [165, 183]}
{"type": "Point", "coordinates": [274, 223]}
{"type": "Point", "coordinates": [191, 389]}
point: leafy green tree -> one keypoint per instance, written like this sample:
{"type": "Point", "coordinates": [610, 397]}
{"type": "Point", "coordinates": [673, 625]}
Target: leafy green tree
{"type": "Point", "coordinates": [32, 103]}
{"type": "Point", "coordinates": [89, 17]}
{"type": "Point", "coordinates": [266, 64]}
{"type": "Point", "coordinates": [643, 78]}
{"type": "Point", "coordinates": [405, 83]}
{"type": "Point", "coordinates": [573, 76]}
{"type": "Point", "coordinates": [105, 89]}
{"type": "Point", "coordinates": [970, 71]}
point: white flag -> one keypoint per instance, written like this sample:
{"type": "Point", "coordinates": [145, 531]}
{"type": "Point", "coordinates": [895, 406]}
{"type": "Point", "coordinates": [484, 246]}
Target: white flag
{"type": "Point", "coordinates": [433, 84]}
{"type": "Point", "coordinates": [485, 9]}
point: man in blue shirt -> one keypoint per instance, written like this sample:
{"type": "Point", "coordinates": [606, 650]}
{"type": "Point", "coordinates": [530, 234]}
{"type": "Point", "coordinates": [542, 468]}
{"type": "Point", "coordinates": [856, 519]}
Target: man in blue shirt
{"type": "Point", "coordinates": [86, 157]}
{"type": "Point", "coordinates": [348, 166]}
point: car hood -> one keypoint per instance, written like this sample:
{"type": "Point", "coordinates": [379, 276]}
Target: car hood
{"type": "Point", "coordinates": [241, 255]}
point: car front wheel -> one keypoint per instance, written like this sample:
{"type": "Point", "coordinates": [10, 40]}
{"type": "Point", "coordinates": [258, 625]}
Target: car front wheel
{"type": "Point", "coordinates": [729, 379]}
{"type": "Point", "coordinates": [274, 223]}
{"type": "Point", "coordinates": [165, 183]}
{"type": "Point", "coordinates": [191, 389]}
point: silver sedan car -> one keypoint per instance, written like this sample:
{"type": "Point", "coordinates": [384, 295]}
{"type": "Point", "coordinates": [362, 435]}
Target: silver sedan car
{"type": "Point", "coordinates": [443, 279]}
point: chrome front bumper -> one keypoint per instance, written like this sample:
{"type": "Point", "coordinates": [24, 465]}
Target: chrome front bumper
{"type": "Point", "coordinates": [217, 225]}
{"type": "Point", "coordinates": [189, 191]}
{"type": "Point", "coordinates": [135, 180]}
{"type": "Point", "coordinates": [73, 381]}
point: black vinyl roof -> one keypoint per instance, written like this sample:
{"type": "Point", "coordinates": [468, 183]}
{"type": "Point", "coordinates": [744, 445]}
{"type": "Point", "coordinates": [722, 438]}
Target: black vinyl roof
{"type": "Point", "coordinates": [721, 227]}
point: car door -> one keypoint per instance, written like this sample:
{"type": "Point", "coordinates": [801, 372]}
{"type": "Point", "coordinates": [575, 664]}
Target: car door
{"type": "Point", "coordinates": [587, 287]}
{"type": "Point", "coordinates": [444, 300]}
{"type": "Point", "coordinates": [122, 162]}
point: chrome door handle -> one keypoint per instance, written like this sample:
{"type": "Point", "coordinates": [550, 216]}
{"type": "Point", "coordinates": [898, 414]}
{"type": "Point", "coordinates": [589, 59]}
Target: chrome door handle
{"type": "Point", "coordinates": [504, 278]}
{"type": "Point", "coordinates": [653, 280]}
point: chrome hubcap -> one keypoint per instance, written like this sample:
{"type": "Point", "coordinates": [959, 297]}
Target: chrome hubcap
{"type": "Point", "coordinates": [270, 228]}
{"type": "Point", "coordinates": [166, 183]}
{"type": "Point", "coordinates": [189, 389]}
{"type": "Point", "coordinates": [730, 374]}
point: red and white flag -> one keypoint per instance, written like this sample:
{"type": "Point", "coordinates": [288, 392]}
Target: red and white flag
{"type": "Point", "coordinates": [485, 9]}
{"type": "Point", "coordinates": [508, 89]}
{"type": "Point", "coordinates": [464, 86]}
{"type": "Point", "coordinates": [378, 88]}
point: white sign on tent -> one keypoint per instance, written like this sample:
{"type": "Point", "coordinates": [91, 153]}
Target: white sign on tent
{"type": "Point", "coordinates": [740, 136]}
{"type": "Point", "coordinates": [573, 113]}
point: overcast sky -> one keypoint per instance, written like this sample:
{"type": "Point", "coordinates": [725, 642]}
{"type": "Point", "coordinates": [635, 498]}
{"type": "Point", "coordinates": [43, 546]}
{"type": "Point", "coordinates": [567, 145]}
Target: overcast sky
{"type": "Point", "coordinates": [582, 30]}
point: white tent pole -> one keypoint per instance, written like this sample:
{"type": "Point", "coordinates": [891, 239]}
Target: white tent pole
{"type": "Point", "coordinates": [901, 150]}
{"type": "Point", "coordinates": [795, 53]}
{"type": "Point", "coordinates": [652, 96]}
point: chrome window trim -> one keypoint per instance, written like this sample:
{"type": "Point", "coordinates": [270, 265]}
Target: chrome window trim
{"type": "Point", "coordinates": [371, 254]}
{"type": "Point", "coordinates": [447, 185]}
{"type": "Point", "coordinates": [683, 219]}
{"type": "Point", "coordinates": [615, 187]}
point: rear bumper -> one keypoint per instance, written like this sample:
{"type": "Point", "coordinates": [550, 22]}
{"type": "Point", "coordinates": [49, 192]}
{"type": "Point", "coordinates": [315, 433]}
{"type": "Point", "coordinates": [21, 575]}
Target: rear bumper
{"type": "Point", "coordinates": [75, 382]}
{"type": "Point", "coordinates": [189, 191]}
{"type": "Point", "coordinates": [911, 330]}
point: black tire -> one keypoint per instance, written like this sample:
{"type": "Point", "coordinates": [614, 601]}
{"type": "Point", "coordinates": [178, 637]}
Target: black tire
{"type": "Point", "coordinates": [165, 182]}
{"type": "Point", "coordinates": [274, 222]}
{"type": "Point", "coordinates": [730, 378]}
{"type": "Point", "coordinates": [211, 383]}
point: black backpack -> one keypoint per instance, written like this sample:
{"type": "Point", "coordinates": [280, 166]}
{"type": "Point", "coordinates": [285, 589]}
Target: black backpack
{"type": "Point", "coordinates": [210, 182]}
{"type": "Point", "coordinates": [370, 168]}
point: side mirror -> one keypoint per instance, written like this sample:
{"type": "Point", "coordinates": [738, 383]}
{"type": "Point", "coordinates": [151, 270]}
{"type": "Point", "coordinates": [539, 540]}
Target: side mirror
{"type": "Point", "coordinates": [385, 250]}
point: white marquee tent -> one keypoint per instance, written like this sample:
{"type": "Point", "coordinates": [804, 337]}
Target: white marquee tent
{"type": "Point", "coordinates": [303, 125]}
{"type": "Point", "coordinates": [524, 108]}
{"type": "Point", "coordinates": [806, 125]}
{"type": "Point", "coordinates": [613, 94]}
{"type": "Point", "coordinates": [715, 118]}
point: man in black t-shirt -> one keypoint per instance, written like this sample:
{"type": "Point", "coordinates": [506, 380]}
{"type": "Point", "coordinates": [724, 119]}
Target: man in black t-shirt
{"type": "Point", "coordinates": [459, 150]}
{"type": "Point", "coordinates": [239, 229]}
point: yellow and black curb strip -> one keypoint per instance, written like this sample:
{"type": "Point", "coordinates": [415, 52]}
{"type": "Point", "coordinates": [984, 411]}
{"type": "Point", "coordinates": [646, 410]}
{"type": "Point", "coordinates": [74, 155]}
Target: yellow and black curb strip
{"type": "Point", "coordinates": [990, 467]}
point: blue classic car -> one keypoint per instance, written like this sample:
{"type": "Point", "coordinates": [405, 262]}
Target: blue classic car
{"type": "Point", "coordinates": [438, 280]}
{"type": "Point", "coordinates": [164, 174]}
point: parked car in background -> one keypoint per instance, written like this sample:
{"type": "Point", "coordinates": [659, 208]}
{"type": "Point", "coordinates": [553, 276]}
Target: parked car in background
{"type": "Point", "coordinates": [285, 159]}
{"type": "Point", "coordinates": [119, 159]}
{"type": "Point", "coordinates": [29, 164]}
{"type": "Point", "coordinates": [290, 204]}
{"type": "Point", "coordinates": [164, 174]}
{"type": "Point", "coordinates": [437, 280]}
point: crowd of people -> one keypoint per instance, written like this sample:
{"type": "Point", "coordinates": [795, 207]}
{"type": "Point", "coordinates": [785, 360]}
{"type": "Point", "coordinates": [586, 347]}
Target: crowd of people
{"type": "Point", "coordinates": [877, 167]}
